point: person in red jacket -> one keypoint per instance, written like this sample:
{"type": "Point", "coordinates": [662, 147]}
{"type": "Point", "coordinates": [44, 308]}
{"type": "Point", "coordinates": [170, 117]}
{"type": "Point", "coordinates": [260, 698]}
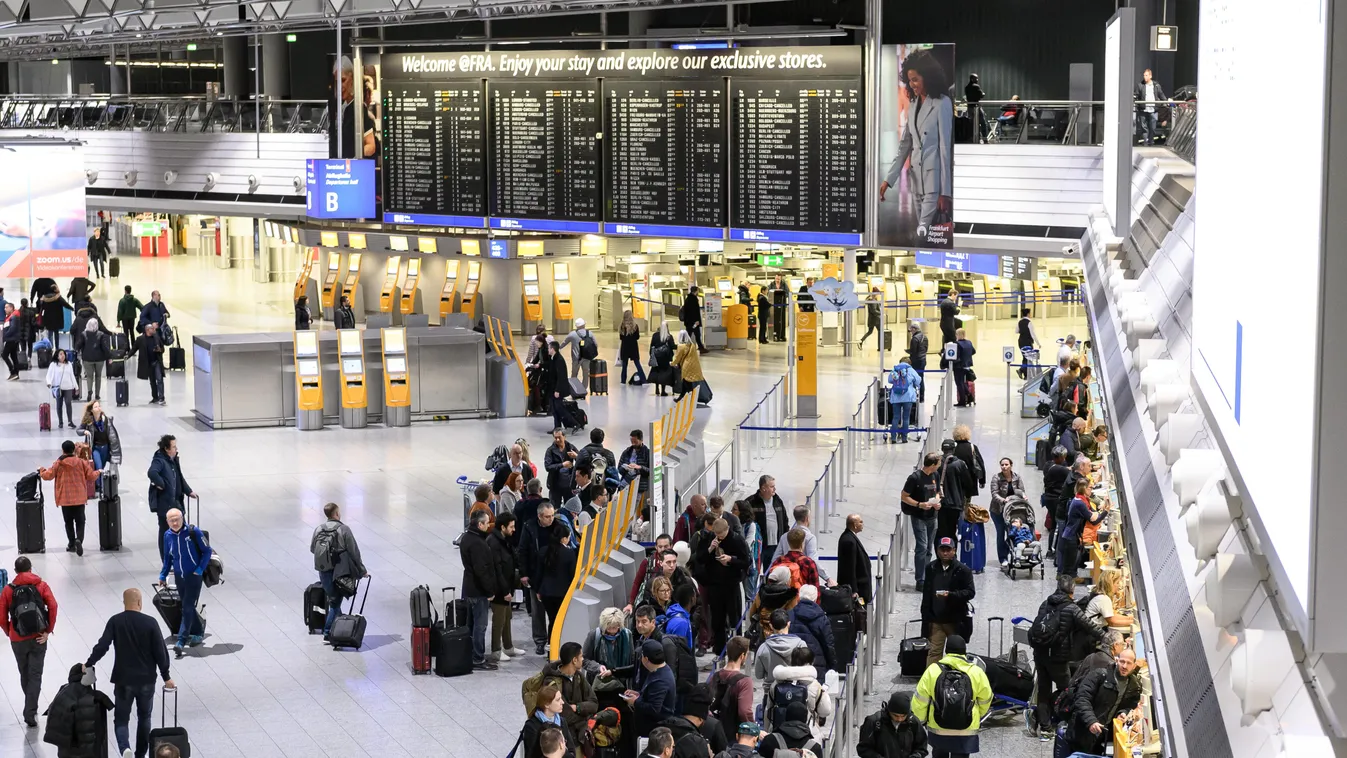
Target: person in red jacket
{"type": "Point", "coordinates": [30, 651]}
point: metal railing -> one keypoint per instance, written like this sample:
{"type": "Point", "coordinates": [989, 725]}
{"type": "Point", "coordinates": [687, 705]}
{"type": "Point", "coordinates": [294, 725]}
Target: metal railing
{"type": "Point", "coordinates": [828, 489]}
{"type": "Point", "coordinates": [750, 443]}
{"type": "Point", "coordinates": [164, 114]}
{"type": "Point", "coordinates": [1182, 139]}
{"type": "Point", "coordinates": [1074, 122]}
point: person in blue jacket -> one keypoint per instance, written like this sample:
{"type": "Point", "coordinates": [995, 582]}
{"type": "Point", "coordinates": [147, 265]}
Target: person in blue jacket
{"type": "Point", "coordinates": [167, 486]}
{"type": "Point", "coordinates": [678, 620]}
{"type": "Point", "coordinates": [904, 382]}
{"type": "Point", "coordinates": [187, 553]}
{"type": "Point", "coordinates": [1078, 513]}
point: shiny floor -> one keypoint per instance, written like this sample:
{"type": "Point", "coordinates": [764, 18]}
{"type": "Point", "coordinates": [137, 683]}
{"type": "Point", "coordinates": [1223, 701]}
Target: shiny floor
{"type": "Point", "coordinates": [261, 686]}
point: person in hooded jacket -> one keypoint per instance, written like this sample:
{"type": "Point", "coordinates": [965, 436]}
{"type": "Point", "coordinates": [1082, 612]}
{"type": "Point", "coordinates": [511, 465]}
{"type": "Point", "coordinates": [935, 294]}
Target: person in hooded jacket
{"type": "Point", "coordinates": [30, 651]}
{"type": "Point", "coordinates": [892, 731]}
{"type": "Point", "coordinates": [793, 734]}
{"type": "Point", "coordinates": [72, 475]}
{"type": "Point", "coordinates": [945, 739]}
{"type": "Point", "coordinates": [776, 594]}
{"type": "Point", "coordinates": [168, 488]}
{"type": "Point", "coordinates": [1053, 662]}
{"type": "Point", "coordinates": [818, 703]}
{"type": "Point", "coordinates": [77, 719]}
{"type": "Point", "coordinates": [810, 623]}
{"type": "Point", "coordinates": [51, 310]}
{"type": "Point", "coordinates": [776, 649]}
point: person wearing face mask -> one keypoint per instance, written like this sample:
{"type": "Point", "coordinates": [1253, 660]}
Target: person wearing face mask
{"type": "Point", "coordinates": [892, 731]}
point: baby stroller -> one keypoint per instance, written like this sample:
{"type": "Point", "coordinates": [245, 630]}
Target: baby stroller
{"type": "Point", "coordinates": [1031, 555]}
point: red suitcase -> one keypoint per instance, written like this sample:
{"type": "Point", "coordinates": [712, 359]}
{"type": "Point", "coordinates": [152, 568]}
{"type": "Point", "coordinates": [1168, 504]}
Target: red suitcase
{"type": "Point", "coordinates": [44, 417]}
{"type": "Point", "coordinates": [421, 650]}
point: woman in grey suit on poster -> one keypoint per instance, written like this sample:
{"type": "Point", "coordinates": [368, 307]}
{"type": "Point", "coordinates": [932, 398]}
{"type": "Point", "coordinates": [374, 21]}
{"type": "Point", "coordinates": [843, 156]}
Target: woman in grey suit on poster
{"type": "Point", "coordinates": [928, 139]}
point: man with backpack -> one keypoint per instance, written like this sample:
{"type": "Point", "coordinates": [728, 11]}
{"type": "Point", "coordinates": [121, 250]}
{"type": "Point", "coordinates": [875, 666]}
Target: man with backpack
{"type": "Point", "coordinates": [803, 569]}
{"type": "Point", "coordinates": [1056, 634]}
{"type": "Point", "coordinates": [731, 688]}
{"type": "Point", "coordinates": [28, 616]}
{"type": "Point", "coordinates": [330, 540]}
{"type": "Point", "coordinates": [952, 697]}
{"type": "Point", "coordinates": [776, 650]}
{"type": "Point", "coordinates": [792, 735]}
{"type": "Point", "coordinates": [945, 597]}
{"type": "Point", "coordinates": [892, 731]}
{"type": "Point", "coordinates": [797, 682]}
{"type": "Point", "coordinates": [1094, 702]}
{"type": "Point", "coordinates": [746, 736]}
{"type": "Point", "coordinates": [583, 350]}
{"type": "Point", "coordinates": [697, 734]}
{"type": "Point", "coordinates": [904, 386]}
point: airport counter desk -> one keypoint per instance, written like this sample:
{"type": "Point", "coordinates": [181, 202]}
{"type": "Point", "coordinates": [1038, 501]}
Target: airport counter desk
{"type": "Point", "coordinates": [248, 380]}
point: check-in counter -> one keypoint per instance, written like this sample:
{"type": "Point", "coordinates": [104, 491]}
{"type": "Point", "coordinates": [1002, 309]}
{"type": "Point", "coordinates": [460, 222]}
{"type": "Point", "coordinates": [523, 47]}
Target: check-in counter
{"type": "Point", "coordinates": [248, 380]}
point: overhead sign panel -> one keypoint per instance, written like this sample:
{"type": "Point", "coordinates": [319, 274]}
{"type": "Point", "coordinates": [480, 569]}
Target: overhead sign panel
{"type": "Point", "coordinates": [339, 188]}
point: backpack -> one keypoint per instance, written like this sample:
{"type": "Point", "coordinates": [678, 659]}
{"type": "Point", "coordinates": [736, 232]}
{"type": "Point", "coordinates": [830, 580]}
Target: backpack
{"type": "Point", "coordinates": [602, 735]}
{"type": "Point", "coordinates": [27, 610]}
{"type": "Point", "coordinates": [589, 349]}
{"type": "Point", "coordinates": [1045, 383]}
{"type": "Point", "coordinates": [900, 383]}
{"type": "Point", "coordinates": [1048, 630]}
{"type": "Point", "coordinates": [796, 576]}
{"type": "Point", "coordinates": [953, 698]}
{"type": "Point", "coordinates": [529, 691]}
{"type": "Point", "coordinates": [720, 706]}
{"type": "Point", "coordinates": [785, 693]}
{"type": "Point", "coordinates": [979, 473]}
{"type": "Point", "coordinates": [498, 458]}
{"type": "Point", "coordinates": [685, 668]}
{"type": "Point", "coordinates": [327, 547]}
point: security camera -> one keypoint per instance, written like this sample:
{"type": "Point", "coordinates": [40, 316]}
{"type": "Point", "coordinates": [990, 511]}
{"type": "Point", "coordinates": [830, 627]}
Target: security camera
{"type": "Point", "coordinates": [1070, 250]}
{"type": "Point", "coordinates": [211, 179]}
{"type": "Point", "coordinates": [91, 176]}
{"type": "Point", "coordinates": [253, 182]}
{"type": "Point", "coordinates": [130, 178]}
{"type": "Point", "coordinates": [170, 177]}
{"type": "Point", "coordinates": [298, 184]}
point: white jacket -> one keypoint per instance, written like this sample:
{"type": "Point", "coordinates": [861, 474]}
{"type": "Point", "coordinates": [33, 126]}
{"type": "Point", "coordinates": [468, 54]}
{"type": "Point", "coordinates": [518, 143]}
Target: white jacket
{"type": "Point", "coordinates": [62, 375]}
{"type": "Point", "coordinates": [820, 702]}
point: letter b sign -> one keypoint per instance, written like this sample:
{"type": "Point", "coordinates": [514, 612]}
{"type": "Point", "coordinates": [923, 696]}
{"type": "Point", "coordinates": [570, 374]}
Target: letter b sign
{"type": "Point", "coordinates": [331, 202]}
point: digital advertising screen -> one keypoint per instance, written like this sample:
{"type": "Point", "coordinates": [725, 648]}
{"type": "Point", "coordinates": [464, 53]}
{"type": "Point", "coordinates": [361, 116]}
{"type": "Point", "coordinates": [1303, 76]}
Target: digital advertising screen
{"type": "Point", "coordinates": [42, 216]}
{"type": "Point", "coordinates": [1245, 394]}
{"type": "Point", "coordinates": [915, 198]}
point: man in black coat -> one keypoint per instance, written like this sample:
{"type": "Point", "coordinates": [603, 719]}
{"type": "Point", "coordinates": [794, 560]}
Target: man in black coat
{"type": "Point", "coordinates": [892, 731]}
{"type": "Point", "coordinates": [1053, 661]}
{"type": "Point", "coordinates": [479, 582]}
{"type": "Point", "coordinates": [150, 365]}
{"type": "Point", "coordinates": [561, 388]}
{"type": "Point", "coordinates": [853, 562]}
{"type": "Point", "coordinates": [533, 544]}
{"type": "Point", "coordinates": [949, 308]}
{"type": "Point", "coordinates": [1099, 697]}
{"type": "Point", "coordinates": [719, 564]}
{"type": "Point", "coordinates": [98, 251]}
{"type": "Point", "coordinates": [691, 316]}
{"type": "Point", "coordinates": [559, 462]}
{"type": "Point", "coordinates": [764, 315]}
{"type": "Point", "coordinates": [917, 347]}
{"type": "Point", "coordinates": [945, 596]}
{"type": "Point", "coordinates": [769, 513]}
{"type": "Point", "coordinates": [956, 482]}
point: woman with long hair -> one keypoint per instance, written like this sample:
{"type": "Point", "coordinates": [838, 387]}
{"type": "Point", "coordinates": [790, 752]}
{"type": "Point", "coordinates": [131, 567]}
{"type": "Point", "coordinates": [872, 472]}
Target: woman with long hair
{"type": "Point", "coordinates": [558, 572]}
{"type": "Point", "coordinates": [1100, 611]}
{"type": "Point", "coordinates": [1004, 485]}
{"type": "Point", "coordinates": [928, 140]}
{"type": "Point", "coordinates": [548, 706]}
{"type": "Point", "coordinates": [61, 380]}
{"type": "Point", "coordinates": [629, 334]}
{"type": "Point", "coordinates": [688, 358]}
{"type": "Point", "coordinates": [101, 436]}
{"type": "Point", "coordinates": [661, 360]}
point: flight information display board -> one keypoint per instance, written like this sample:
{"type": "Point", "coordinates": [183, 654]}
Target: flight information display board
{"type": "Point", "coordinates": [666, 158]}
{"type": "Point", "coordinates": [797, 170]}
{"type": "Point", "coordinates": [544, 156]}
{"type": "Point", "coordinates": [434, 146]}
{"type": "Point", "coordinates": [751, 144]}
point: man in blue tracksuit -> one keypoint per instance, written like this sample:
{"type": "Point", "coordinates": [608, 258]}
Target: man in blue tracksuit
{"type": "Point", "coordinates": [187, 553]}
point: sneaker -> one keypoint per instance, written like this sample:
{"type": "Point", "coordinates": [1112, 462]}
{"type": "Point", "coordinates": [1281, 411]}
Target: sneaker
{"type": "Point", "coordinates": [177, 650]}
{"type": "Point", "coordinates": [196, 640]}
{"type": "Point", "coordinates": [79, 549]}
{"type": "Point", "coordinates": [1005, 563]}
{"type": "Point", "coordinates": [515, 652]}
{"type": "Point", "coordinates": [485, 666]}
{"type": "Point", "coordinates": [128, 753]}
{"type": "Point", "coordinates": [539, 649]}
{"type": "Point", "coordinates": [502, 656]}
{"type": "Point", "coordinates": [920, 586]}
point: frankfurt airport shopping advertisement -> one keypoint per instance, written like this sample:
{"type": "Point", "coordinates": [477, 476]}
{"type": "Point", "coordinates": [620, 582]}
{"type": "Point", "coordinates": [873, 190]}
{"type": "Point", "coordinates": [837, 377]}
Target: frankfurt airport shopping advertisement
{"type": "Point", "coordinates": [42, 217]}
{"type": "Point", "coordinates": [916, 154]}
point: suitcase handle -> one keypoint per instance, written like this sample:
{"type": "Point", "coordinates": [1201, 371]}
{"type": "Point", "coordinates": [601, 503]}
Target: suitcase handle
{"type": "Point", "coordinates": [450, 616]}
{"type": "Point", "coordinates": [367, 579]}
{"type": "Point", "coordinates": [1000, 636]}
{"type": "Point", "coordinates": [163, 707]}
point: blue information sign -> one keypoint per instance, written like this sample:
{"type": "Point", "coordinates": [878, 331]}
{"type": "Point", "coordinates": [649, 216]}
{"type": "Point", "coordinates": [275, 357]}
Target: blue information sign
{"type": "Point", "coordinates": [435, 219]}
{"type": "Point", "coordinates": [974, 263]}
{"type": "Point", "coordinates": [545, 225]}
{"type": "Point", "coordinates": [804, 238]}
{"type": "Point", "coordinates": [666, 230]}
{"type": "Point", "coordinates": [339, 188]}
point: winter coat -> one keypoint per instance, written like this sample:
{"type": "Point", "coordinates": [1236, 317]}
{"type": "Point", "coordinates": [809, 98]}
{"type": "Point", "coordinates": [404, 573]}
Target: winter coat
{"type": "Point", "coordinates": [687, 358]}
{"type": "Point", "coordinates": [62, 374]}
{"type": "Point", "coordinates": [51, 309]}
{"type": "Point", "coordinates": [561, 383]}
{"type": "Point", "coordinates": [629, 345]}
{"type": "Point", "coordinates": [810, 623]}
{"type": "Point", "coordinates": [345, 543]}
{"type": "Point", "coordinates": [559, 476]}
{"type": "Point", "coordinates": [13, 331]}
{"type": "Point", "coordinates": [533, 730]}
{"type": "Point", "coordinates": [658, 695]}
{"type": "Point", "coordinates": [853, 566]}
{"type": "Point", "coordinates": [770, 598]}
{"type": "Point", "coordinates": [167, 485]}
{"type": "Point", "coordinates": [678, 623]}
{"type": "Point", "coordinates": [661, 351]}
{"type": "Point", "coordinates": [1003, 488]}
{"type": "Point", "coordinates": [7, 599]}
{"type": "Point", "coordinates": [96, 346]}
{"type": "Point", "coordinates": [303, 317]}
{"type": "Point", "coordinates": [691, 312]}
{"type": "Point", "coordinates": [344, 317]}
{"type": "Point", "coordinates": [913, 382]}
{"type": "Point", "coordinates": [72, 475]}
{"type": "Point", "coordinates": [110, 430]}
{"type": "Point", "coordinates": [504, 564]}
{"type": "Point", "coordinates": [956, 483]}
{"type": "Point", "coordinates": [775, 518]}
{"type": "Point", "coordinates": [972, 457]}
{"type": "Point", "coordinates": [923, 705]}
{"type": "Point", "coordinates": [576, 691]}
{"type": "Point", "coordinates": [1078, 627]}
{"type": "Point", "coordinates": [951, 608]}
{"type": "Point", "coordinates": [151, 350]}
{"type": "Point", "coordinates": [128, 308]}
{"type": "Point", "coordinates": [479, 576]}
{"type": "Point", "coordinates": [558, 567]}
{"type": "Point", "coordinates": [773, 652]}
{"type": "Point", "coordinates": [710, 572]}
{"type": "Point", "coordinates": [617, 655]}
{"type": "Point", "coordinates": [152, 313]}
{"type": "Point", "coordinates": [641, 457]}
{"type": "Point", "coordinates": [917, 349]}
{"type": "Point", "coordinates": [588, 452]}
{"type": "Point", "coordinates": [1100, 696]}
{"type": "Point", "coordinates": [77, 719]}
{"type": "Point", "coordinates": [881, 738]}
{"type": "Point", "coordinates": [818, 701]}
{"type": "Point", "coordinates": [80, 288]}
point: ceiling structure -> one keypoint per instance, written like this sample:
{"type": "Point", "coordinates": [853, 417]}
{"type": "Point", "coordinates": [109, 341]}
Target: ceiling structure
{"type": "Point", "coordinates": [52, 28]}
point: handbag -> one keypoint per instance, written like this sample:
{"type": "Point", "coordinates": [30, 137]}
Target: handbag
{"type": "Point", "coordinates": [969, 375]}
{"type": "Point", "coordinates": [976, 514]}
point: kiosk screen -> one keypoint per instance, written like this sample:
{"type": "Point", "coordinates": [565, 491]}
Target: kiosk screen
{"type": "Point", "coordinates": [394, 341]}
{"type": "Point", "coordinates": [351, 366]}
{"type": "Point", "coordinates": [349, 342]}
{"type": "Point", "coordinates": [396, 364]}
{"type": "Point", "coordinates": [308, 367]}
{"type": "Point", "coordinates": [531, 290]}
{"type": "Point", "coordinates": [306, 344]}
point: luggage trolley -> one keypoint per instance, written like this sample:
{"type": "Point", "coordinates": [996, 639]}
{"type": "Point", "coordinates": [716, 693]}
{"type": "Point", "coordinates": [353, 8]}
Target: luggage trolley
{"type": "Point", "coordinates": [1009, 673]}
{"type": "Point", "coordinates": [469, 497]}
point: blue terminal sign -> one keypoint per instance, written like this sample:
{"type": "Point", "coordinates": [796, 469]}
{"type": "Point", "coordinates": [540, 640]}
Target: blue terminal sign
{"type": "Point", "coordinates": [666, 230]}
{"type": "Point", "coordinates": [973, 263]}
{"type": "Point", "coordinates": [846, 239]}
{"type": "Point", "coordinates": [339, 188]}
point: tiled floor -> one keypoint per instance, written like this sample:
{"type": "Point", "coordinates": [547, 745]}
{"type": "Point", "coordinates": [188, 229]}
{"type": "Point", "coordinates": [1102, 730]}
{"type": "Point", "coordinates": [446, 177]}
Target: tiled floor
{"type": "Point", "coordinates": [262, 687]}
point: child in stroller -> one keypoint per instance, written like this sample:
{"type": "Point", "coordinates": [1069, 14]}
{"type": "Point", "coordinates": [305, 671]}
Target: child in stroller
{"type": "Point", "coordinates": [1026, 553]}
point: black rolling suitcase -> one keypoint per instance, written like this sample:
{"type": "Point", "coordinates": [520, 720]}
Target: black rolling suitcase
{"type": "Point", "coordinates": [912, 652]}
{"type": "Point", "coordinates": [451, 639]}
{"type": "Point", "coordinates": [844, 637]}
{"type": "Point", "coordinates": [114, 267]}
{"type": "Point", "coordinates": [110, 523]}
{"type": "Point", "coordinates": [117, 369]}
{"type": "Point", "coordinates": [30, 522]}
{"type": "Point", "coordinates": [170, 735]}
{"type": "Point", "coordinates": [122, 389]}
{"type": "Point", "coordinates": [348, 629]}
{"type": "Point", "coordinates": [177, 359]}
{"type": "Point", "coordinates": [315, 607]}
{"type": "Point", "coordinates": [1042, 455]}
{"type": "Point", "coordinates": [168, 604]}
{"type": "Point", "coordinates": [598, 376]}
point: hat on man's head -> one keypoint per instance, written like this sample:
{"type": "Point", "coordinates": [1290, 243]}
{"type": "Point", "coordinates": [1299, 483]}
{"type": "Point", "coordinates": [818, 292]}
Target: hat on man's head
{"type": "Point", "coordinates": [945, 542]}
{"type": "Point", "coordinates": [652, 651]}
{"type": "Point", "coordinates": [955, 644]}
{"type": "Point", "coordinates": [697, 703]}
{"type": "Point", "coordinates": [749, 728]}
{"type": "Point", "coordinates": [947, 445]}
{"type": "Point", "coordinates": [579, 323]}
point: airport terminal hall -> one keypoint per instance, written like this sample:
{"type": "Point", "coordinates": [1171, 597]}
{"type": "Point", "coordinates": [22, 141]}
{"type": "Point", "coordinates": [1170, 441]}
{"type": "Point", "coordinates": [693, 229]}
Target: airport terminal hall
{"type": "Point", "coordinates": [673, 379]}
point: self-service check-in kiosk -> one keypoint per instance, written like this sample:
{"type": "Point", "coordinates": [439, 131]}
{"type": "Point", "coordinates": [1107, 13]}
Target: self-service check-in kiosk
{"type": "Point", "coordinates": [411, 290]}
{"type": "Point", "coordinates": [1045, 289]}
{"type": "Point", "coordinates": [640, 294]}
{"type": "Point", "coordinates": [449, 293]}
{"type": "Point", "coordinates": [354, 394]}
{"type": "Point", "coordinates": [725, 286]}
{"type": "Point", "coordinates": [397, 379]}
{"type": "Point", "coordinates": [533, 300]}
{"type": "Point", "coordinates": [967, 318]}
{"type": "Point", "coordinates": [469, 301]}
{"type": "Point", "coordinates": [1069, 295]}
{"type": "Point", "coordinates": [332, 282]}
{"type": "Point", "coordinates": [714, 333]}
{"type": "Point", "coordinates": [562, 312]}
{"type": "Point", "coordinates": [348, 287]}
{"type": "Point", "coordinates": [308, 382]}
{"type": "Point", "coordinates": [389, 294]}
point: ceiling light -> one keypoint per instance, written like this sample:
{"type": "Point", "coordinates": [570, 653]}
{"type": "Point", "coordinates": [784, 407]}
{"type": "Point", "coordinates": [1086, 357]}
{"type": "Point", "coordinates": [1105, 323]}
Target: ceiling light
{"type": "Point", "coordinates": [191, 47]}
{"type": "Point", "coordinates": [55, 62]}
{"type": "Point", "coordinates": [292, 38]}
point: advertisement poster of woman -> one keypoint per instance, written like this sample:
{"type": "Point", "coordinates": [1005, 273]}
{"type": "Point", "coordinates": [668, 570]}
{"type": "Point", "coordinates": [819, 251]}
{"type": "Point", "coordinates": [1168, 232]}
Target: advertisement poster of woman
{"type": "Point", "coordinates": [916, 197]}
